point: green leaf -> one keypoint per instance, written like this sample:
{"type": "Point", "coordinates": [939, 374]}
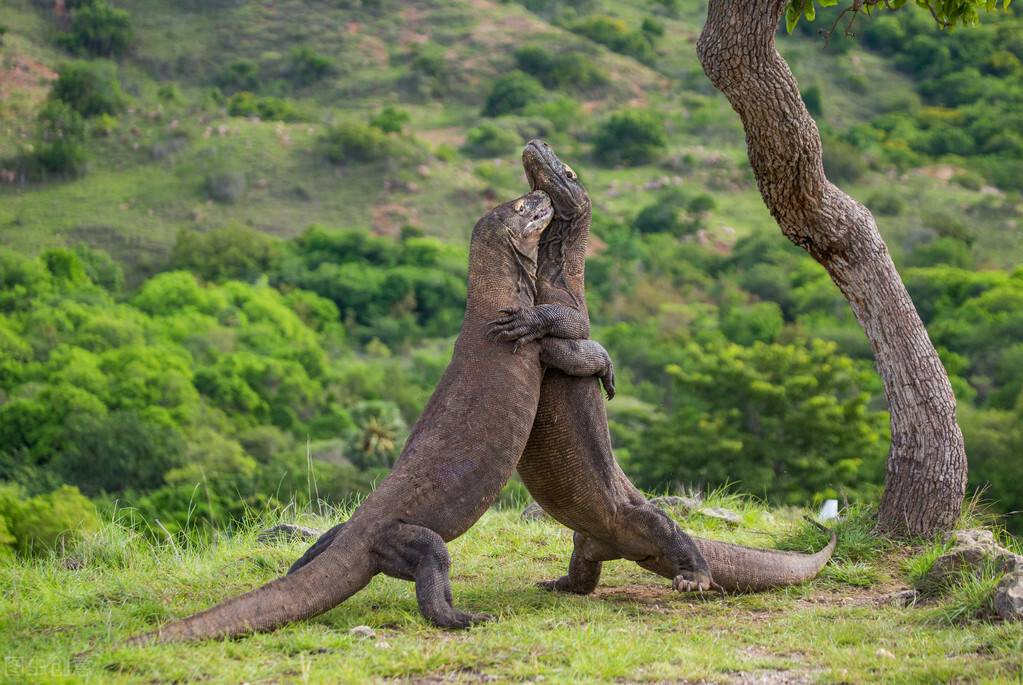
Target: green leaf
{"type": "Point", "coordinates": [811, 10]}
{"type": "Point", "coordinates": [792, 15]}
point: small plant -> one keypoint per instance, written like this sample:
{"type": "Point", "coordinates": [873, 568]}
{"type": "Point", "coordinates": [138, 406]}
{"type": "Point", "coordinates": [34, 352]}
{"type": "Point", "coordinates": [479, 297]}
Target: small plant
{"type": "Point", "coordinates": [356, 142]}
{"type": "Point", "coordinates": [98, 29]}
{"type": "Point", "coordinates": [391, 120]}
{"type": "Point", "coordinates": [89, 88]}
{"type": "Point", "coordinates": [240, 75]}
{"type": "Point", "coordinates": [631, 137]}
{"type": "Point", "coordinates": [246, 104]}
{"type": "Point", "coordinates": [306, 66]}
{"type": "Point", "coordinates": [60, 136]}
{"type": "Point", "coordinates": [489, 140]}
{"type": "Point", "coordinates": [511, 94]}
{"type": "Point", "coordinates": [917, 567]}
{"type": "Point", "coordinates": [971, 595]}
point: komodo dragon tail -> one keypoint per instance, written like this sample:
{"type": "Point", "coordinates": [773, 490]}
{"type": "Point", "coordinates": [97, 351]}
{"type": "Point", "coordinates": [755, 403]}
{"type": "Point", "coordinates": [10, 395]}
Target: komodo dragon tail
{"type": "Point", "coordinates": [745, 569]}
{"type": "Point", "coordinates": [323, 583]}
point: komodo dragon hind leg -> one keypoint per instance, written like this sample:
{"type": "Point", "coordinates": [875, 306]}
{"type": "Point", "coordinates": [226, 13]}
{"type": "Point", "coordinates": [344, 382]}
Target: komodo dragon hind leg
{"type": "Point", "coordinates": [584, 567]}
{"type": "Point", "coordinates": [661, 546]}
{"type": "Point", "coordinates": [321, 544]}
{"type": "Point", "coordinates": [419, 554]}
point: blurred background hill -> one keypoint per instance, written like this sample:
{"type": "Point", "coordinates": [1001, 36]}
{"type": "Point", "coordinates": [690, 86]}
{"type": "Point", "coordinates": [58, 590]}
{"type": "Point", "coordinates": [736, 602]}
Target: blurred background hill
{"type": "Point", "coordinates": [234, 242]}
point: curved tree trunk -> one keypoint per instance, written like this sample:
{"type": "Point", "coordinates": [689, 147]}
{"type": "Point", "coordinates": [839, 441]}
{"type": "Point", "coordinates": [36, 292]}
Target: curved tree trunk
{"type": "Point", "coordinates": [926, 475]}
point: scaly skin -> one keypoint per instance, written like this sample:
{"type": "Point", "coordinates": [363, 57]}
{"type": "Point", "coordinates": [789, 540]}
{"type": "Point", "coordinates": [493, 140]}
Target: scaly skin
{"type": "Point", "coordinates": [568, 465]}
{"type": "Point", "coordinates": [460, 453]}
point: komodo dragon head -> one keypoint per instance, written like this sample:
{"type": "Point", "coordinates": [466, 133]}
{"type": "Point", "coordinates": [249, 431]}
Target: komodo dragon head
{"type": "Point", "coordinates": [548, 173]}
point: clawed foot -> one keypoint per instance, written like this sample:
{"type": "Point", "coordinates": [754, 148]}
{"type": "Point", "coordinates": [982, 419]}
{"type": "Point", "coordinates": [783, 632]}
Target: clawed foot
{"type": "Point", "coordinates": [607, 379]}
{"type": "Point", "coordinates": [460, 620]}
{"type": "Point", "coordinates": [517, 324]}
{"type": "Point", "coordinates": [697, 583]}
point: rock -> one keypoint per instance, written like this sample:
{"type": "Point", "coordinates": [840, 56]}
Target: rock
{"type": "Point", "coordinates": [971, 549]}
{"type": "Point", "coordinates": [1009, 597]}
{"type": "Point", "coordinates": [534, 512]}
{"type": "Point", "coordinates": [726, 515]}
{"type": "Point", "coordinates": [974, 536]}
{"type": "Point", "coordinates": [902, 598]}
{"type": "Point", "coordinates": [676, 502]}
{"type": "Point", "coordinates": [363, 631]}
{"type": "Point", "coordinates": [287, 532]}
{"type": "Point", "coordinates": [884, 653]}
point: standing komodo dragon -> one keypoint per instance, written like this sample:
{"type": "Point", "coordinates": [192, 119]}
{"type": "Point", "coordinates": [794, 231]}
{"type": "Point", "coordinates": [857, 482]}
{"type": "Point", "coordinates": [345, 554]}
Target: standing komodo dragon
{"type": "Point", "coordinates": [460, 453]}
{"type": "Point", "coordinates": [568, 465]}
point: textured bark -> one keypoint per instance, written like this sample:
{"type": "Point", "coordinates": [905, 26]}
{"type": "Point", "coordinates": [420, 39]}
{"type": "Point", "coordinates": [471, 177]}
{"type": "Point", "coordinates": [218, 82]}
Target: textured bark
{"type": "Point", "coordinates": [926, 475]}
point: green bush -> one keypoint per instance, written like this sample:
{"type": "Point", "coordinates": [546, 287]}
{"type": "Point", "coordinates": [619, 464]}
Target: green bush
{"type": "Point", "coordinates": [59, 141]}
{"type": "Point", "coordinates": [98, 29]}
{"type": "Point", "coordinates": [306, 66]}
{"type": "Point", "coordinates": [89, 88]}
{"type": "Point", "coordinates": [569, 70]}
{"type": "Point", "coordinates": [843, 163]}
{"type": "Point", "coordinates": [391, 120]}
{"type": "Point", "coordinates": [353, 142]}
{"type": "Point", "coordinates": [490, 140]}
{"type": "Point", "coordinates": [234, 252]}
{"type": "Point", "coordinates": [240, 75]}
{"type": "Point", "coordinates": [512, 93]}
{"type": "Point", "coordinates": [631, 137]}
{"type": "Point", "coordinates": [44, 523]}
{"type": "Point", "coordinates": [245, 104]}
{"type": "Point", "coordinates": [614, 34]}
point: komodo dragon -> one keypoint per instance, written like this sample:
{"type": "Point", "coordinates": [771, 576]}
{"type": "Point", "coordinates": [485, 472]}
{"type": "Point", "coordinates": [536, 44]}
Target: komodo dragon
{"type": "Point", "coordinates": [568, 465]}
{"type": "Point", "coordinates": [460, 453]}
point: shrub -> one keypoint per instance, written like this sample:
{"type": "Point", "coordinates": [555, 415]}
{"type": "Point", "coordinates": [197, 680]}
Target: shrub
{"type": "Point", "coordinates": [391, 120]}
{"type": "Point", "coordinates": [98, 29]}
{"type": "Point", "coordinates": [813, 100]}
{"type": "Point", "coordinates": [632, 137]}
{"type": "Point", "coordinates": [490, 140]}
{"type": "Point", "coordinates": [842, 161]}
{"type": "Point", "coordinates": [60, 133]}
{"type": "Point", "coordinates": [240, 75]}
{"type": "Point", "coordinates": [306, 66]}
{"type": "Point", "coordinates": [614, 34]}
{"type": "Point", "coordinates": [511, 93]}
{"type": "Point", "coordinates": [356, 142]}
{"type": "Point", "coordinates": [235, 252]}
{"type": "Point", "coordinates": [886, 203]}
{"type": "Point", "coordinates": [562, 70]}
{"type": "Point", "coordinates": [226, 187]}
{"type": "Point", "coordinates": [89, 88]}
{"type": "Point", "coordinates": [246, 104]}
{"type": "Point", "coordinates": [111, 453]}
{"type": "Point", "coordinates": [44, 522]}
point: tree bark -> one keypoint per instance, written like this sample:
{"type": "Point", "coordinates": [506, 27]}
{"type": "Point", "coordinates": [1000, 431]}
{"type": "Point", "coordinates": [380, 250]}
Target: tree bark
{"type": "Point", "coordinates": [926, 474]}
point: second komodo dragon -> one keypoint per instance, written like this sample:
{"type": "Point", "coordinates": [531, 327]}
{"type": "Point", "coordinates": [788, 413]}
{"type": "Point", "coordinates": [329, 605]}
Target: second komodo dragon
{"type": "Point", "coordinates": [460, 453]}
{"type": "Point", "coordinates": [568, 465]}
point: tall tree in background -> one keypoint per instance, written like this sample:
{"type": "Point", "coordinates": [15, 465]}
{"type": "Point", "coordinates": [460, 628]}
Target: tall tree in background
{"type": "Point", "coordinates": [926, 473]}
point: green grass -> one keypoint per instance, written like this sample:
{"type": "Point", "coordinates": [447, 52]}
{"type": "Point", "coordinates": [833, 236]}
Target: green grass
{"type": "Point", "coordinates": [632, 629]}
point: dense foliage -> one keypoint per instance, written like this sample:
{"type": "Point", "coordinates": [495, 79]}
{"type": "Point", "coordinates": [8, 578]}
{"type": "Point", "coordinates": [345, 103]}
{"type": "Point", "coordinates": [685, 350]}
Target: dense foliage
{"type": "Point", "coordinates": [208, 365]}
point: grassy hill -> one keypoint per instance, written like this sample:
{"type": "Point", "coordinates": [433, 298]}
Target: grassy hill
{"type": "Point", "coordinates": [149, 174]}
{"type": "Point", "coordinates": [842, 627]}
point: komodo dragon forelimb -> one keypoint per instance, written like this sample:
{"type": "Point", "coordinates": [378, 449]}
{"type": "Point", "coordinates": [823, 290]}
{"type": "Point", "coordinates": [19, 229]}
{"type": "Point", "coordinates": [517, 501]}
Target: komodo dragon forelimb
{"type": "Point", "coordinates": [460, 452]}
{"type": "Point", "coordinates": [568, 465]}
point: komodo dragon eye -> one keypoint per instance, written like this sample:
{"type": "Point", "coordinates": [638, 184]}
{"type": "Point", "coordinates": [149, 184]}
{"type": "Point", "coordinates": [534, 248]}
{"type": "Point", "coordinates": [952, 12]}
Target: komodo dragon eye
{"type": "Point", "coordinates": [569, 172]}
{"type": "Point", "coordinates": [520, 206]}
